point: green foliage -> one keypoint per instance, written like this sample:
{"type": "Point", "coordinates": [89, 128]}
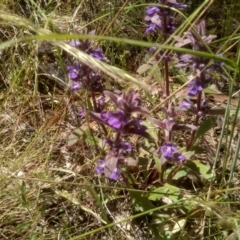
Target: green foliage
{"type": "Point", "coordinates": [168, 190]}
{"type": "Point", "coordinates": [205, 126]}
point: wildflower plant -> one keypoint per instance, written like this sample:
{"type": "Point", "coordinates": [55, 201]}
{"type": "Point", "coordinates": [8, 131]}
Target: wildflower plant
{"type": "Point", "coordinates": [122, 121]}
{"type": "Point", "coordinates": [82, 76]}
{"type": "Point", "coordinates": [202, 68]}
{"type": "Point", "coordinates": [121, 115]}
{"type": "Point", "coordinates": [159, 21]}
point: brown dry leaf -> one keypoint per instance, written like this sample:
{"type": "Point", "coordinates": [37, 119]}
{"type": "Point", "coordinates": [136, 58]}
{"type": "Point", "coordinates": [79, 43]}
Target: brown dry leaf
{"type": "Point", "coordinates": [222, 98]}
{"type": "Point", "coordinates": [210, 144]}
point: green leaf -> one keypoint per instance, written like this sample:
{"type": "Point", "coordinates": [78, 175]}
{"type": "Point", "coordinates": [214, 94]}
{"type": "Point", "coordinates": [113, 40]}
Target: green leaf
{"type": "Point", "coordinates": [143, 68]}
{"type": "Point", "coordinates": [23, 226]}
{"type": "Point", "coordinates": [233, 112]}
{"type": "Point", "coordinates": [173, 192]}
{"type": "Point", "coordinates": [210, 90]}
{"type": "Point", "coordinates": [204, 170]}
{"type": "Point", "coordinates": [151, 129]}
{"type": "Point", "coordinates": [141, 201]}
{"type": "Point", "coordinates": [205, 126]}
{"type": "Point", "coordinates": [24, 194]}
{"type": "Point", "coordinates": [157, 194]}
{"type": "Point", "coordinates": [198, 150]}
{"type": "Point", "coordinates": [168, 190]}
{"type": "Point", "coordinates": [81, 133]}
{"type": "Point", "coordinates": [159, 162]}
{"type": "Point", "coordinates": [181, 173]}
{"type": "Point", "coordinates": [77, 134]}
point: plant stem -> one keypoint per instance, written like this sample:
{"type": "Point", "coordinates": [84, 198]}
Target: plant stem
{"type": "Point", "coordinates": [167, 78]}
{"type": "Point", "coordinates": [199, 99]}
{"type": "Point", "coordinates": [97, 110]}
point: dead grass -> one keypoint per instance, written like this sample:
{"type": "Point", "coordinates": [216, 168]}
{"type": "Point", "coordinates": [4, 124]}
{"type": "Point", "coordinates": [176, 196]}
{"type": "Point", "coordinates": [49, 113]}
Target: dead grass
{"type": "Point", "coordinates": [36, 118]}
{"type": "Point", "coordinates": [48, 189]}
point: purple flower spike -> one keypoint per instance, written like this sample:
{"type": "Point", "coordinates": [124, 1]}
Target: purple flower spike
{"type": "Point", "coordinates": [76, 86]}
{"type": "Point", "coordinates": [118, 146]}
{"type": "Point", "coordinates": [100, 169]}
{"type": "Point", "coordinates": [100, 104]}
{"type": "Point", "coordinates": [179, 157]}
{"type": "Point", "coordinates": [75, 43]}
{"type": "Point", "coordinates": [97, 53]}
{"type": "Point", "coordinates": [115, 174]}
{"type": "Point", "coordinates": [85, 75]}
{"type": "Point", "coordinates": [168, 150]}
{"type": "Point", "coordinates": [195, 87]}
{"type": "Point", "coordinates": [186, 103]}
{"type": "Point", "coordinates": [128, 102]}
{"type": "Point", "coordinates": [114, 119]}
{"type": "Point", "coordinates": [74, 71]}
{"type": "Point", "coordinates": [101, 166]}
{"type": "Point", "coordinates": [81, 113]}
{"type": "Point", "coordinates": [151, 28]}
{"type": "Point", "coordinates": [152, 10]}
{"type": "Point", "coordinates": [101, 101]}
{"type": "Point", "coordinates": [152, 49]}
{"type": "Point", "coordinates": [126, 147]}
{"type": "Point", "coordinates": [160, 18]}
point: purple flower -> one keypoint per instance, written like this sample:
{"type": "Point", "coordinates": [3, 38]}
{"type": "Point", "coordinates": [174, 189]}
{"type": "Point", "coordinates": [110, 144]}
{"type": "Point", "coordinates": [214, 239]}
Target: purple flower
{"type": "Point", "coordinates": [127, 102]}
{"type": "Point", "coordinates": [152, 10]}
{"type": "Point", "coordinates": [186, 103]}
{"type": "Point", "coordinates": [126, 147]}
{"type": "Point", "coordinates": [159, 18]}
{"type": "Point", "coordinates": [152, 49]}
{"type": "Point", "coordinates": [195, 86]}
{"type": "Point", "coordinates": [118, 146]}
{"type": "Point", "coordinates": [82, 73]}
{"type": "Point", "coordinates": [81, 113]}
{"type": "Point", "coordinates": [134, 127]}
{"type": "Point", "coordinates": [92, 82]}
{"type": "Point", "coordinates": [168, 150]}
{"type": "Point", "coordinates": [101, 166]}
{"type": "Point", "coordinates": [112, 172]}
{"type": "Point", "coordinates": [114, 119]}
{"type": "Point", "coordinates": [151, 28]}
{"type": "Point", "coordinates": [97, 53]}
{"type": "Point", "coordinates": [199, 40]}
{"type": "Point", "coordinates": [75, 43]}
{"type": "Point", "coordinates": [179, 156]}
{"type": "Point", "coordinates": [115, 173]}
{"type": "Point", "coordinates": [94, 77]}
{"type": "Point", "coordinates": [101, 101]}
{"type": "Point", "coordinates": [75, 86]}
{"type": "Point", "coordinates": [100, 104]}
{"type": "Point", "coordinates": [74, 71]}
{"type": "Point", "coordinates": [166, 124]}
{"type": "Point", "coordinates": [161, 55]}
